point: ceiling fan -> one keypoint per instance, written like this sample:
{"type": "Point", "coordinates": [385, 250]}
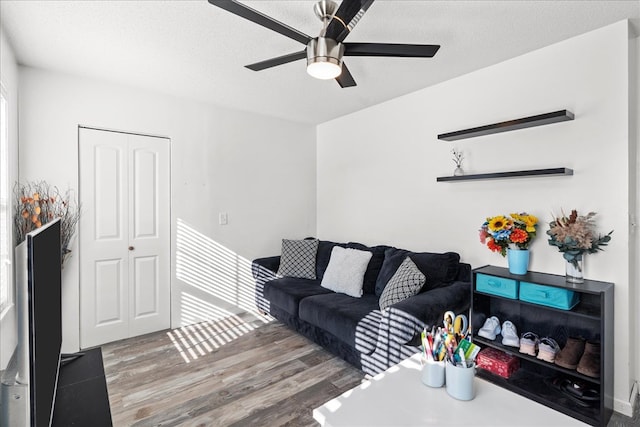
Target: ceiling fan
{"type": "Point", "coordinates": [324, 53]}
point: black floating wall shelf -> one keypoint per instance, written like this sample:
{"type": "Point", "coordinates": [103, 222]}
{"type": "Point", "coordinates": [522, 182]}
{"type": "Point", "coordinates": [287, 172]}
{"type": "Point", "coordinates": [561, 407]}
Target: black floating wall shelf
{"type": "Point", "coordinates": [539, 120]}
{"type": "Point", "coordinates": [513, 174]}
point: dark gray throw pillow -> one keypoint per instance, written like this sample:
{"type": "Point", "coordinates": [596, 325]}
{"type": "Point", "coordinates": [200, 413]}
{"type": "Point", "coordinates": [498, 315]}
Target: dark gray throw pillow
{"type": "Point", "coordinates": [438, 268]}
{"type": "Point", "coordinates": [298, 258]}
{"type": "Point", "coordinates": [406, 282]}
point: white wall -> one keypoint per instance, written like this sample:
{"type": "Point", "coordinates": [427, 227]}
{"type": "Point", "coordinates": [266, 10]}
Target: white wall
{"type": "Point", "coordinates": [9, 79]}
{"type": "Point", "coordinates": [634, 129]}
{"type": "Point", "coordinates": [377, 168]}
{"type": "Point", "coordinates": [259, 170]}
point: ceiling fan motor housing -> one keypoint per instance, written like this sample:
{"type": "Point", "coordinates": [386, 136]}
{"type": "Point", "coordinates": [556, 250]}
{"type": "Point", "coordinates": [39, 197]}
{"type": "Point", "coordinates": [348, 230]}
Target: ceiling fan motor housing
{"type": "Point", "coordinates": [325, 9]}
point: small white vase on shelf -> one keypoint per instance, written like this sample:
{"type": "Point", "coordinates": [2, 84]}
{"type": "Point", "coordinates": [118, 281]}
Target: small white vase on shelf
{"type": "Point", "coordinates": [457, 159]}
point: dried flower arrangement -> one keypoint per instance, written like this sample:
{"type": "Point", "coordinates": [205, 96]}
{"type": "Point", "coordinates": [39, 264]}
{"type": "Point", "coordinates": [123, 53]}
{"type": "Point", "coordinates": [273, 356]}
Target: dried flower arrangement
{"type": "Point", "coordinates": [457, 158]}
{"type": "Point", "coordinates": [575, 235]}
{"type": "Point", "coordinates": [37, 203]}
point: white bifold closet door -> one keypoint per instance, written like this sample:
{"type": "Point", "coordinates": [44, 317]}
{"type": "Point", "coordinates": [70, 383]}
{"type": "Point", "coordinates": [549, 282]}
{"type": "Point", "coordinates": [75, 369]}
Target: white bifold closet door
{"type": "Point", "coordinates": [124, 235]}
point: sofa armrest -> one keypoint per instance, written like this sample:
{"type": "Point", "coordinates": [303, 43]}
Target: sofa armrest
{"type": "Point", "coordinates": [267, 266]}
{"type": "Point", "coordinates": [430, 306]}
{"type": "Point", "coordinates": [264, 270]}
{"type": "Point", "coordinates": [408, 317]}
{"type": "Point", "coordinates": [464, 272]}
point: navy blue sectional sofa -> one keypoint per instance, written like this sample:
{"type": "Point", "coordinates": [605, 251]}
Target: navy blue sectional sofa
{"type": "Point", "coordinates": [355, 329]}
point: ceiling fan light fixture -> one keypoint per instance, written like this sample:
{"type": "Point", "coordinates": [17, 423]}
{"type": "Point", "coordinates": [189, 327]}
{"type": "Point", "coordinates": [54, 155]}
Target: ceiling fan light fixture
{"type": "Point", "coordinates": [324, 70]}
{"type": "Point", "coordinates": [324, 58]}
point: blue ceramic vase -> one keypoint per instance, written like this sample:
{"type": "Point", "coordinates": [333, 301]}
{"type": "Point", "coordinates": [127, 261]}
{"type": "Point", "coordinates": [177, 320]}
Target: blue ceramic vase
{"type": "Point", "coordinates": [518, 260]}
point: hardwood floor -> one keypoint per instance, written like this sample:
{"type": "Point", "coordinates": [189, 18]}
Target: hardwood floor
{"type": "Point", "coordinates": [238, 371]}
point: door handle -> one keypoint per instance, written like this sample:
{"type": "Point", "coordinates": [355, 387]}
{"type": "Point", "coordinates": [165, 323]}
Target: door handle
{"type": "Point", "coordinates": [131, 248]}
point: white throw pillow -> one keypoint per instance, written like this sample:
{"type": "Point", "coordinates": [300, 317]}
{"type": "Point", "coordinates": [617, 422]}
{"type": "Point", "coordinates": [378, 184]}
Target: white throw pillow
{"type": "Point", "coordinates": [345, 272]}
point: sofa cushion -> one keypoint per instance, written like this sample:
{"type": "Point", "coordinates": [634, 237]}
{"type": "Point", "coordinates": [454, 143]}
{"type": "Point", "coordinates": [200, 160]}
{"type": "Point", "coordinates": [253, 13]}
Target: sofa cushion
{"type": "Point", "coordinates": [354, 321]}
{"type": "Point", "coordinates": [298, 258]}
{"type": "Point", "coordinates": [345, 272]}
{"type": "Point", "coordinates": [323, 256]}
{"type": "Point", "coordinates": [373, 269]}
{"type": "Point", "coordinates": [287, 292]}
{"type": "Point", "coordinates": [406, 282]}
{"type": "Point", "coordinates": [438, 268]}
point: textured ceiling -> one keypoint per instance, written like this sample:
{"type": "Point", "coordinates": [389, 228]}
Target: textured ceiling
{"type": "Point", "coordinates": [194, 50]}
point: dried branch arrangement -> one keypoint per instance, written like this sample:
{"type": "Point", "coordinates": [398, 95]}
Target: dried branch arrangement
{"type": "Point", "coordinates": [37, 203]}
{"type": "Point", "coordinates": [457, 158]}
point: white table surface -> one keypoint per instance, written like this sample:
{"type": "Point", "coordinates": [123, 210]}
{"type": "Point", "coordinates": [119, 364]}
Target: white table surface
{"type": "Point", "coordinates": [398, 398]}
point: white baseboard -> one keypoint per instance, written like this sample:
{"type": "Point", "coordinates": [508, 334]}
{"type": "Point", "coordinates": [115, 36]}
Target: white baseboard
{"type": "Point", "coordinates": [626, 408]}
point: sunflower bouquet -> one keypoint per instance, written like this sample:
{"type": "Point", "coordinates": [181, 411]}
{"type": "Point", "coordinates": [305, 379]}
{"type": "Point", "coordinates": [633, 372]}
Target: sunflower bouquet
{"type": "Point", "coordinates": [500, 232]}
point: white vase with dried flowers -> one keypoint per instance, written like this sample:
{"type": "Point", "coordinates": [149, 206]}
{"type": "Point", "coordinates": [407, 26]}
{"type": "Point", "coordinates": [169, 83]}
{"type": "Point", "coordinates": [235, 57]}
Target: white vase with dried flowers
{"type": "Point", "coordinates": [575, 236]}
{"type": "Point", "coordinates": [37, 203]}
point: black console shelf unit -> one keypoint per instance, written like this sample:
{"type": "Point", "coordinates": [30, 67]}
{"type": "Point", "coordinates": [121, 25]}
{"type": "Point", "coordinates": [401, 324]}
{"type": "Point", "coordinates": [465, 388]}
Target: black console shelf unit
{"type": "Point", "coordinates": [526, 122]}
{"type": "Point", "coordinates": [592, 319]}
{"type": "Point", "coordinates": [512, 174]}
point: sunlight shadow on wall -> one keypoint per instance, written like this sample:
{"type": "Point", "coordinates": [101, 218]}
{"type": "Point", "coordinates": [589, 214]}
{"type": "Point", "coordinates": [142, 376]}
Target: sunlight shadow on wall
{"type": "Point", "coordinates": [198, 339]}
{"type": "Point", "coordinates": [212, 268]}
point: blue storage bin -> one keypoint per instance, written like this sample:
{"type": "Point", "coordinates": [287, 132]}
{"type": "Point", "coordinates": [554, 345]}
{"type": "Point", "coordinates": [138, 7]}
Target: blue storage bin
{"type": "Point", "coordinates": [550, 296]}
{"type": "Point", "coordinates": [507, 288]}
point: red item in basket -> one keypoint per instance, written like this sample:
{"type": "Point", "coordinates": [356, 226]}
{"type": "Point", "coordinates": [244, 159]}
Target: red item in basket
{"type": "Point", "coordinates": [497, 362]}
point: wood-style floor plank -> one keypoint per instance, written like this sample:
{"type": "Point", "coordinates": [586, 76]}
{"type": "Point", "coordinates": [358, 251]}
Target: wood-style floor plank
{"type": "Point", "coordinates": [238, 371]}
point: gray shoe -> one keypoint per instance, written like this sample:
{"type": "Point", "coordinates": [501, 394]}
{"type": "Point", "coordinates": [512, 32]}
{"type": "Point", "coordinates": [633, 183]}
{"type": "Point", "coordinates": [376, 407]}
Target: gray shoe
{"type": "Point", "coordinates": [510, 334]}
{"type": "Point", "coordinates": [490, 329]}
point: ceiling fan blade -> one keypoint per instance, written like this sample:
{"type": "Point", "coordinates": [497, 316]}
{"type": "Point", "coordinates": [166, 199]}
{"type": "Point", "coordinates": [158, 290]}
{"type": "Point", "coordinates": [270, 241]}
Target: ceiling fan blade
{"type": "Point", "coordinates": [346, 18]}
{"type": "Point", "coordinates": [391, 49]}
{"type": "Point", "coordinates": [284, 59]}
{"type": "Point", "coordinates": [345, 79]}
{"type": "Point", "coordinates": [260, 19]}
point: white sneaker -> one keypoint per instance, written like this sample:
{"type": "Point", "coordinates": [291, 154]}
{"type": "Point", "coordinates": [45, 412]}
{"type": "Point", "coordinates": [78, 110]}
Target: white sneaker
{"type": "Point", "coordinates": [529, 343]}
{"type": "Point", "coordinates": [547, 349]}
{"type": "Point", "coordinates": [510, 334]}
{"type": "Point", "coordinates": [490, 329]}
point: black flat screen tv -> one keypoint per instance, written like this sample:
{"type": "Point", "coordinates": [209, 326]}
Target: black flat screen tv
{"type": "Point", "coordinates": [44, 289]}
{"type": "Point", "coordinates": [29, 384]}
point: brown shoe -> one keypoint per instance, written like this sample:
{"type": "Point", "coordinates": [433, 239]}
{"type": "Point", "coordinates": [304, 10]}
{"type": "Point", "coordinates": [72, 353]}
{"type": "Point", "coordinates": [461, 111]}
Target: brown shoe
{"type": "Point", "coordinates": [571, 353]}
{"type": "Point", "coordinates": [589, 364]}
